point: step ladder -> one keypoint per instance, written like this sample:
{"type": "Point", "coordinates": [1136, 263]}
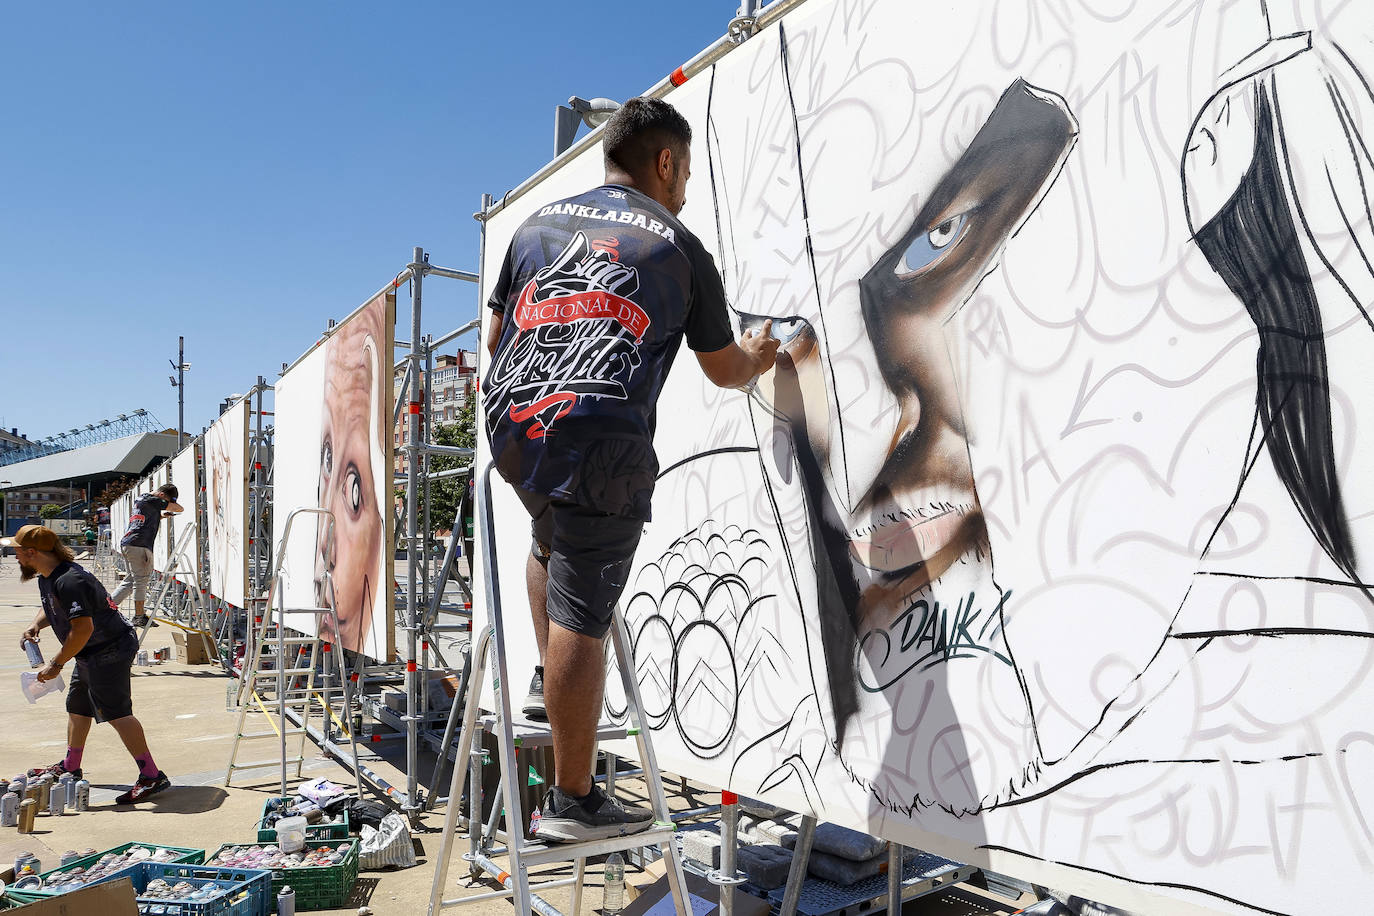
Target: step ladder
{"type": "Point", "coordinates": [524, 853]}
{"type": "Point", "coordinates": [191, 615]}
{"type": "Point", "coordinates": [291, 677]}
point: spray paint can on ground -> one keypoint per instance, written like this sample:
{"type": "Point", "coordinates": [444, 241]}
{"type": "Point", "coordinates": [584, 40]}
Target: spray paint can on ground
{"type": "Point", "coordinates": [27, 809]}
{"type": "Point", "coordinates": [9, 810]}
{"type": "Point", "coordinates": [29, 859]}
{"type": "Point", "coordinates": [44, 792]}
{"type": "Point", "coordinates": [286, 902]}
{"type": "Point", "coordinates": [83, 794]}
{"type": "Point", "coordinates": [68, 857]}
{"type": "Point", "coordinates": [69, 790]}
{"type": "Point", "coordinates": [57, 802]}
{"type": "Point", "coordinates": [34, 653]}
{"type": "Point", "coordinates": [142, 658]}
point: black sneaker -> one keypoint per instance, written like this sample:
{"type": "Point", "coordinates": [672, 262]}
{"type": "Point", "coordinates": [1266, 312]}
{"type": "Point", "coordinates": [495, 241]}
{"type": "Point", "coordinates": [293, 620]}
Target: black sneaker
{"type": "Point", "coordinates": [534, 700]}
{"type": "Point", "coordinates": [146, 786]}
{"type": "Point", "coordinates": [57, 769]}
{"type": "Point", "coordinates": [598, 816]}
{"type": "Point", "coordinates": [144, 621]}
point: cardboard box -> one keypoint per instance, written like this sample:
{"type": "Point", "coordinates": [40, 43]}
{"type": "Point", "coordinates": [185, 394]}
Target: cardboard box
{"type": "Point", "coordinates": [655, 900]}
{"type": "Point", "coordinates": [113, 898]}
{"type": "Point", "coordinates": [190, 648]}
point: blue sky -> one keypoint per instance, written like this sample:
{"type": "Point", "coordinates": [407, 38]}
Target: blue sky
{"type": "Point", "coordinates": [238, 173]}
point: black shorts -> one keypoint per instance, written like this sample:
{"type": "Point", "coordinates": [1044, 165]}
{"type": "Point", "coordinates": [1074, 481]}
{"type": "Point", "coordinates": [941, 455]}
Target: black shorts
{"type": "Point", "coordinates": [101, 685]}
{"type": "Point", "coordinates": [588, 555]}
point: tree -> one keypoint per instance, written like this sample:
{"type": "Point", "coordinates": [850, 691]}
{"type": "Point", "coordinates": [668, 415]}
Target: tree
{"type": "Point", "coordinates": [444, 494]}
{"type": "Point", "coordinates": [51, 510]}
{"type": "Point", "coordinates": [115, 489]}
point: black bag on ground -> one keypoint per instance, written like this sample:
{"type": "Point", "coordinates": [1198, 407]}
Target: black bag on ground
{"type": "Point", "coordinates": [366, 812]}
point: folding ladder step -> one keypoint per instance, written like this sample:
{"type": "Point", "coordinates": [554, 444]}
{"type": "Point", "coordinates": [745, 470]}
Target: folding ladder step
{"type": "Point", "coordinates": [290, 733]}
{"type": "Point", "coordinates": [275, 762]}
{"type": "Point", "coordinates": [533, 854]}
{"type": "Point", "coordinates": [538, 734]}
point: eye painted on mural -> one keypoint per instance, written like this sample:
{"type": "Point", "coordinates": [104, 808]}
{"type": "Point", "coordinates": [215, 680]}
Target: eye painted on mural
{"type": "Point", "coordinates": [929, 249]}
{"type": "Point", "coordinates": [786, 330]}
{"type": "Point", "coordinates": [326, 457]}
{"type": "Point", "coordinates": [353, 490]}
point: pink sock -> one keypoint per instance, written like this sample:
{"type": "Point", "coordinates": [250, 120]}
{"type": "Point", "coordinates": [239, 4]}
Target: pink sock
{"type": "Point", "coordinates": [146, 767]}
{"type": "Point", "coordinates": [73, 759]}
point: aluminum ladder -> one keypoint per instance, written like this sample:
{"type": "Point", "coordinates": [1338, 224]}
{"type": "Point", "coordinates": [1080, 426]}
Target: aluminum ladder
{"type": "Point", "coordinates": [524, 853]}
{"type": "Point", "coordinates": [296, 658]}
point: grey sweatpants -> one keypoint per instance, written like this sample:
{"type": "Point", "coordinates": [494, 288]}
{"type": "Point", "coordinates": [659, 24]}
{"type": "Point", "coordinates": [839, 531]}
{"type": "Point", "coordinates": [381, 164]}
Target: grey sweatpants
{"type": "Point", "coordinates": [140, 563]}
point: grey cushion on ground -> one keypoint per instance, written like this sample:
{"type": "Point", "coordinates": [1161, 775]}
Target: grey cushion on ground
{"type": "Point", "coordinates": [767, 866]}
{"type": "Point", "coordinates": [761, 809]}
{"type": "Point", "coordinates": [843, 842]}
{"type": "Point", "coordinates": [844, 871]}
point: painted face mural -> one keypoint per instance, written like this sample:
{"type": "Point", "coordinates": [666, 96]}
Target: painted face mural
{"type": "Point", "coordinates": [899, 542]}
{"type": "Point", "coordinates": [349, 559]}
{"type": "Point", "coordinates": [1047, 539]}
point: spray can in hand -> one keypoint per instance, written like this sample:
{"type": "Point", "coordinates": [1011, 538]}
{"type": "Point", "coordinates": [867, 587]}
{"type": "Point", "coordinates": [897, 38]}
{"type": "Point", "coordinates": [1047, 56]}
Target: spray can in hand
{"type": "Point", "coordinates": [34, 653]}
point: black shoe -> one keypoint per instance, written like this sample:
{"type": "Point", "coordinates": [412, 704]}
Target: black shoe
{"type": "Point", "coordinates": [56, 770]}
{"type": "Point", "coordinates": [598, 816]}
{"type": "Point", "coordinates": [146, 786]}
{"type": "Point", "coordinates": [534, 700]}
{"type": "Point", "coordinates": [144, 621]}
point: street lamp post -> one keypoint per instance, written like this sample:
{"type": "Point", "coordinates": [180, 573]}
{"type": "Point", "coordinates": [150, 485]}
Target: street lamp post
{"type": "Point", "coordinates": [179, 383]}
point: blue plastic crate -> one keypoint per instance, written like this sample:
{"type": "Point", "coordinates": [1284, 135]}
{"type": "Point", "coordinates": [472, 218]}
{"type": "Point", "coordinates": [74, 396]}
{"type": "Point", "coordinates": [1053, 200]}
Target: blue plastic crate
{"type": "Point", "coordinates": [249, 892]}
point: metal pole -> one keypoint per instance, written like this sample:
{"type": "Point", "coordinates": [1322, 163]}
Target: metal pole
{"type": "Point", "coordinates": [894, 879]}
{"type": "Point", "coordinates": [426, 530]}
{"type": "Point", "coordinates": [181, 393]}
{"type": "Point", "coordinates": [412, 528]}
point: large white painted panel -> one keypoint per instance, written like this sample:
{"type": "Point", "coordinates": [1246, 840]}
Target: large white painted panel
{"type": "Point", "coordinates": [332, 450]}
{"type": "Point", "coordinates": [1046, 546]}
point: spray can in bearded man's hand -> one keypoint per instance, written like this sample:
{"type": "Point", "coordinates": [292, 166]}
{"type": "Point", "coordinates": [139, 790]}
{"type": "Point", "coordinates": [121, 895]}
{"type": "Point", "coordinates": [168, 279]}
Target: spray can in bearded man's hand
{"type": "Point", "coordinates": [34, 653]}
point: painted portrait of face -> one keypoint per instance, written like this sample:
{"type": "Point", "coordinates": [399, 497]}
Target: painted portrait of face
{"type": "Point", "coordinates": [897, 540]}
{"type": "Point", "coordinates": [223, 459]}
{"type": "Point", "coordinates": [349, 569]}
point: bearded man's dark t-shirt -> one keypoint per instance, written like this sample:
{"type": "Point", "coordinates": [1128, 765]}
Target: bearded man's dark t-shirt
{"type": "Point", "coordinates": [597, 292]}
{"type": "Point", "coordinates": [68, 592]}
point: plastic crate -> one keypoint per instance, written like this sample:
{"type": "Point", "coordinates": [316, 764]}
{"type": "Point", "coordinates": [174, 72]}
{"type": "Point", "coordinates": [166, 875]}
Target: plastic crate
{"type": "Point", "coordinates": [337, 831]}
{"type": "Point", "coordinates": [249, 893]}
{"type": "Point", "coordinates": [185, 856]}
{"type": "Point", "coordinates": [318, 887]}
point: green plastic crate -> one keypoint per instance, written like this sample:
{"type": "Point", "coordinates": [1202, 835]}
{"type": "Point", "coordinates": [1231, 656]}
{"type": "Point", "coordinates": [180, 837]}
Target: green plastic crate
{"type": "Point", "coordinates": [339, 831]}
{"type": "Point", "coordinates": [318, 887]}
{"type": "Point", "coordinates": [186, 856]}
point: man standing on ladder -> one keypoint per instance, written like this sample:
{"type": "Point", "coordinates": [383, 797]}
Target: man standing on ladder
{"type": "Point", "coordinates": [137, 545]}
{"type": "Point", "coordinates": [594, 298]}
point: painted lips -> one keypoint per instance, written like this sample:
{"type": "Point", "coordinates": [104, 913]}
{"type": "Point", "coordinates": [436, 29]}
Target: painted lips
{"type": "Point", "coordinates": [898, 545]}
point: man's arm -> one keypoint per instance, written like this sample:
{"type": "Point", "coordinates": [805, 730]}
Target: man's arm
{"type": "Point", "coordinates": [736, 365]}
{"type": "Point", "coordinates": [82, 628]}
{"type": "Point", "coordinates": [173, 508]}
{"type": "Point", "coordinates": [494, 332]}
{"type": "Point", "coordinates": [31, 634]}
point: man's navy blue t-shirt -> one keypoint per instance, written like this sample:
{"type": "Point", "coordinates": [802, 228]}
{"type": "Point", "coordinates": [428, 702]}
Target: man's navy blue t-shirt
{"type": "Point", "coordinates": [70, 592]}
{"type": "Point", "coordinates": [597, 292]}
{"type": "Point", "coordinates": [144, 521]}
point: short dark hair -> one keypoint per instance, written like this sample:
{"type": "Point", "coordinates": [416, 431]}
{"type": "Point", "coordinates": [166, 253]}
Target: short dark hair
{"type": "Point", "coordinates": [169, 490]}
{"type": "Point", "coordinates": [639, 129]}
